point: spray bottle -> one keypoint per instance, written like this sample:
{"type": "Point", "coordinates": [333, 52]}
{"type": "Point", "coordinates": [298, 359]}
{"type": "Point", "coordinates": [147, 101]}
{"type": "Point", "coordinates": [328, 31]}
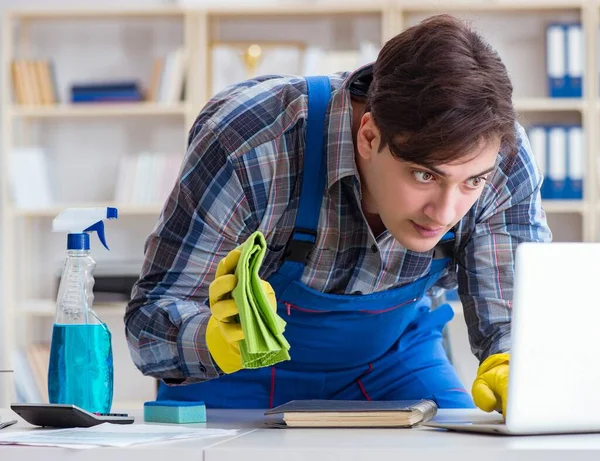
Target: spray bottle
{"type": "Point", "coordinates": [81, 362]}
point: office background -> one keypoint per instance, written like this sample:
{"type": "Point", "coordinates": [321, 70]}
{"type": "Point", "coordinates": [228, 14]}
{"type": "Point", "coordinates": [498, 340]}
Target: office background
{"type": "Point", "coordinates": [68, 139]}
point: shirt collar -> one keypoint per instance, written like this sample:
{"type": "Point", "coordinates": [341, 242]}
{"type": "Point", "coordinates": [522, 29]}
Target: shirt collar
{"type": "Point", "coordinates": [340, 145]}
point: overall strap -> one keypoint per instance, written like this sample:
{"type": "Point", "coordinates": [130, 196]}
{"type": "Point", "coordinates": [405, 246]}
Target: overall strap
{"type": "Point", "coordinates": [445, 247]}
{"type": "Point", "coordinates": [313, 176]}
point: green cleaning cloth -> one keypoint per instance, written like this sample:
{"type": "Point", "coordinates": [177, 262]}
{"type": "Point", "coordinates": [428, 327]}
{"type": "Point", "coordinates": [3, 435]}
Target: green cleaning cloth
{"type": "Point", "coordinates": [263, 344]}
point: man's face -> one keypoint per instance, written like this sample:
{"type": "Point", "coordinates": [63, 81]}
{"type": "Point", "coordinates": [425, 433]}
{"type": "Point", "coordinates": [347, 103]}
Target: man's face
{"type": "Point", "coordinates": [418, 205]}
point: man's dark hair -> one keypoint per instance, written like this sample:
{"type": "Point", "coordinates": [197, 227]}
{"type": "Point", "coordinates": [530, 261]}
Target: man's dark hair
{"type": "Point", "coordinates": [439, 90]}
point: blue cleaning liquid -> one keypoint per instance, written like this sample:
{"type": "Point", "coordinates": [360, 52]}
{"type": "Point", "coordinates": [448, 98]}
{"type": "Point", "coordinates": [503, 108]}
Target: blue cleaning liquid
{"type": "Point", "coordinates": [81, 367]}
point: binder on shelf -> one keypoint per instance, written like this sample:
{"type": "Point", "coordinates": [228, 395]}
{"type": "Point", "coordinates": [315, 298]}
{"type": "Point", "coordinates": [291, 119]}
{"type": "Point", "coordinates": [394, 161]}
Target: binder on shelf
{"type": "Point", "coordinates": [576, 161]}
{"type": "Point", "coordinates": [564, 60]}
{"type": "Point", "coordinates": [556, 60]}
{"type": "Point", "coordinates": [559, 152]}
{"type": "Point", "coordinates": [575, 58]}
{"type": "Point", "coordinates": [557, 161]}
{"type": "Point", "coordinates": [539, 147]}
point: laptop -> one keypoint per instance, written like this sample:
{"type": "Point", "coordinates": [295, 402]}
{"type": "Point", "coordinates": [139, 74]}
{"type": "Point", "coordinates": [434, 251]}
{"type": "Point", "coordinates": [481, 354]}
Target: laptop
{"type": "Point", "coordinates": [554, 380]}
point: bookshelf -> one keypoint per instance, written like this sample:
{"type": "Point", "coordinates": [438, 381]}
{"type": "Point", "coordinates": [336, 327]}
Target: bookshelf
{"type": "Point", "coordinates": [152, 209]}
{"type": "Point", "coordinates": [27, 289]}
{"type": "Point", "coordinates": [106, 110]}
{"type": "Point", "coordinates": [31, 256]}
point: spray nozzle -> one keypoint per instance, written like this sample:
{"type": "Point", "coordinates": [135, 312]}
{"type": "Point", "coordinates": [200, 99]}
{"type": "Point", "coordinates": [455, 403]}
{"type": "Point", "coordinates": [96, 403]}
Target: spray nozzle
{"type": "Point", "coordinates": [80, 222]}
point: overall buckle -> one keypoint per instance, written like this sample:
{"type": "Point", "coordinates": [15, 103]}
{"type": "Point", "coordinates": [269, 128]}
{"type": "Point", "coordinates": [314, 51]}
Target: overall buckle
{"type": "Point", "coordinates": [444, 249]}
{"type": "Point", "coordinates": [298, 250]}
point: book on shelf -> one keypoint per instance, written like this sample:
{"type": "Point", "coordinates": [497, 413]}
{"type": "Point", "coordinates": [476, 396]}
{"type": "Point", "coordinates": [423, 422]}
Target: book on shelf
{"type": "Point", "coordinates": [110, 91]}
{"type": "Point", "coordinates": [167, 78]}
{"type": "Point", "coordinates": [146, 177]}
{"type": "Point", "coordinates": [352, 413]}
{"type": "Point", "coordinates": [31, 373]}
{"type": "Point", "coordinates": [38, 356]}
{"type": "Point", "coordinates": [26, 387]}
{"type": "Point", "coordinates": [33, 82]}
{"type": "Point", "coordinates": [29, 176]}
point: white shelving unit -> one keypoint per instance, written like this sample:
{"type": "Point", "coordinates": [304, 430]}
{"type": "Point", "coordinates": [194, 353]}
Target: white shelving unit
{"type": "Point", "coordinates": [105, 110]}
{"type": "Point", "coordinates": [25, 286]}
{"type": "Point", "coordinates": [27, 302]}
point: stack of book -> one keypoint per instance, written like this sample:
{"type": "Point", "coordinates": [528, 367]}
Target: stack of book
{"type": "Point", "coordinates": [123, 91]}
{"type": "Point", "coordinates": [168, 77]}
{"type": "Point", "coordinates": [33, 82]}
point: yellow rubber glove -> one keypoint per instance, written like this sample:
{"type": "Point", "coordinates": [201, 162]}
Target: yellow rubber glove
{"type": "Point", "coordinates": [490, 388]}
{"type": "Point", "coordinates": [224, 330]}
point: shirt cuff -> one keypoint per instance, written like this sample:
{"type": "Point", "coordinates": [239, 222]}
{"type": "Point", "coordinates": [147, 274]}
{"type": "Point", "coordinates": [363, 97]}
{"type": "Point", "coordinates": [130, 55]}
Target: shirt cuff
{"type": "Point", "coordinates": [195, 360]}
{"type": "Point", "coordinates": [499, 345]}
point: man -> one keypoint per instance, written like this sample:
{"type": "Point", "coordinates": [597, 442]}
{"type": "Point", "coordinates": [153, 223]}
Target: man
{"type": "Point", "coordinates": [370, 188]}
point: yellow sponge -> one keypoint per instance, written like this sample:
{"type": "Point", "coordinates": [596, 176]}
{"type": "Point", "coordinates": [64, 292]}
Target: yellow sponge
{"type": "Point", "coordinates": [171, 411]}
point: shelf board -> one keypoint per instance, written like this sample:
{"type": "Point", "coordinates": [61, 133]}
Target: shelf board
{"type": "Point", "coordinates": [298, 9]}
{"type": "Point", "coordinates": [149, 209]}
{"type": "Point", "coordinates": [549, 104]}
{"type": "Point", "coordinates": [98, 110]}
{"type": "Point", "coordinates": [47, 308]}
{"type": "Point", "coordinates": [95, 13]}
{"type": "Point", "coordinates": [428, 6]}
{"type": "Point", "coordinates": [564, 206]}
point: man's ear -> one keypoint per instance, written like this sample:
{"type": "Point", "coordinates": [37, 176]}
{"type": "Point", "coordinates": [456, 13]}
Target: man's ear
{"type": "Point", "coordinates": [368, 137]}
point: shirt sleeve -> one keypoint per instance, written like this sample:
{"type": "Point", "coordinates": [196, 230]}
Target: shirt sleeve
{"type": "Point", "coordinates": [204, 218]}
{"type": "Point", "coordinates": [508, 213]}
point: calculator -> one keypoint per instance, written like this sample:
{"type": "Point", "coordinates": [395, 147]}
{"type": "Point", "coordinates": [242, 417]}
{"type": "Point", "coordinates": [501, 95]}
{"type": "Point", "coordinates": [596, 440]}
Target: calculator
{"type": "Point", "coordinates": [65, 415]}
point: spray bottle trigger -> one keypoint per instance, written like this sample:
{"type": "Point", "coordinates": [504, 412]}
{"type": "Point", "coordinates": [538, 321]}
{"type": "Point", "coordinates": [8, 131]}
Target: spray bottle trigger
{"type": "Point", "coordinates": [99, 228]}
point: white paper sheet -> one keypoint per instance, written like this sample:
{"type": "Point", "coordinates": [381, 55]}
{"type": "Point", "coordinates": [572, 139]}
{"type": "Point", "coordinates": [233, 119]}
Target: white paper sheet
{"type": "Point", "coordinates": [109, 435]}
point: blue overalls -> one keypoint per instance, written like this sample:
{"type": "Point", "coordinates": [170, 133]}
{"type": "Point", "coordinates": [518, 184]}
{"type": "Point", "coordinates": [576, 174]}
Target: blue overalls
{"type": "Point", "coordinates": [380, 346]}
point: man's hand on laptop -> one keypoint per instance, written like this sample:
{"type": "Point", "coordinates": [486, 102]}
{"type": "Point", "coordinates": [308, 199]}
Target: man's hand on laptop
{"type": "Point", "coordinates": [491, 385]}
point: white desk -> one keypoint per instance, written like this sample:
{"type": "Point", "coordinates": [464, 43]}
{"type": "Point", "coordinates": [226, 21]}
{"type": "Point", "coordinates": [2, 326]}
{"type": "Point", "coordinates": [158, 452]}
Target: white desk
{"type": "Point", "coordinates": [256, 443]}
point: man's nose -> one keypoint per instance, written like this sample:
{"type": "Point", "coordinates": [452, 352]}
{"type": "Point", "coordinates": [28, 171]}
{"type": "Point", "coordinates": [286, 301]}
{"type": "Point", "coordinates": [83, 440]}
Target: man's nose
{"type": "Point", "coordinates": [441, 209]}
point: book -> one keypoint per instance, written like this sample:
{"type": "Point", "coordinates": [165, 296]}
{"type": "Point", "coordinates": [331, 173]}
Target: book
{"type": "Point", "coordinates": [352, 413]}
{"type": "Point", "coordinates": [30, 178]}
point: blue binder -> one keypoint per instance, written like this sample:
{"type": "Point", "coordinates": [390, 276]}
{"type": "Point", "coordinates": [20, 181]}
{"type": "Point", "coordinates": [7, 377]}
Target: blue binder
{"type": "Point", "coordinates": [575, 163]}
{"type": "Point", "coordinates": [538, 140]}
{"type": "Point", "coordinates": [565, 60]}
{"type": "Point", "coordinates": [575, 58]}
{"type": "Point", "coordinates": [559, 153]}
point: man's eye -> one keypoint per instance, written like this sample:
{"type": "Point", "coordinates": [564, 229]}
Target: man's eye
{"type": "Point", "coordinates": [423, 176]}
{"type": "Point", "coordinates": [475, 183]}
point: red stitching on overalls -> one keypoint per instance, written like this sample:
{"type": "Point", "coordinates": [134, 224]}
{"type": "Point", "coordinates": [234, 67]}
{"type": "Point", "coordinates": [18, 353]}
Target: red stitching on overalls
{"type": "Point", "coordinates": [360, 384]}
{"type": "Point", "coordinates": [291, 306]}
{"type": "Point", "coordinates": [458, 389]}
{"type": "Point", "coordinates": [381, 311]}
{"type": "Point", "coordinates": [272, 397]}
{"type": "Point", "coordinates": [301, 309]}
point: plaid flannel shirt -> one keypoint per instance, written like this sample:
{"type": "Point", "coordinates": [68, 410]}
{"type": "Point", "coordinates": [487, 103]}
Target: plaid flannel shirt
{"type": "Point", "coordinates": [242, 172]}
